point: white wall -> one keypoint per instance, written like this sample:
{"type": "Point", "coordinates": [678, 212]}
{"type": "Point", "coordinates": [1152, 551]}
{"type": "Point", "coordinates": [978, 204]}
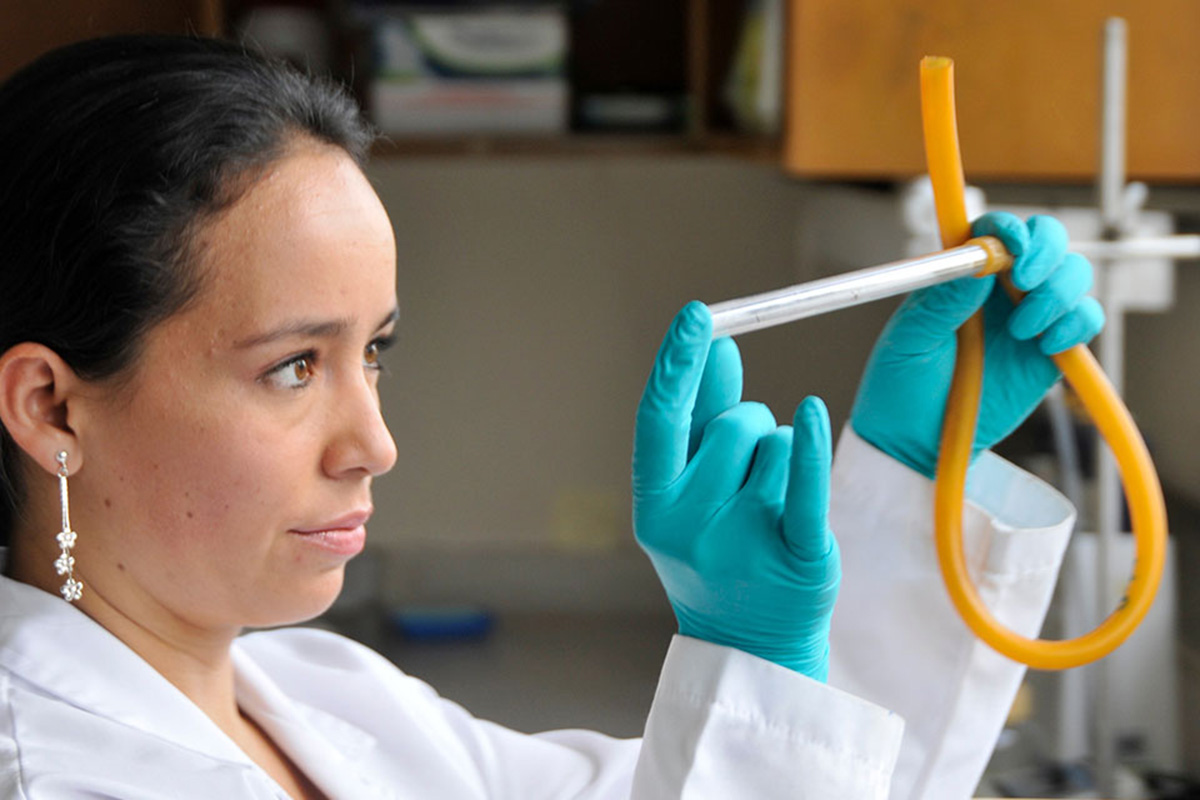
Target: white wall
{"type": "Point", "coordinates": [1163, 384]}
{"type": "Point", "coordinates": [533, 296]}
{"type": "Point", "coordinates": [534, 293]}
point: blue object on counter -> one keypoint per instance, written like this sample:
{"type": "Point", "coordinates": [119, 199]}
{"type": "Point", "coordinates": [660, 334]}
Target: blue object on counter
{"type": "Point", "coordinates": [441, 623]}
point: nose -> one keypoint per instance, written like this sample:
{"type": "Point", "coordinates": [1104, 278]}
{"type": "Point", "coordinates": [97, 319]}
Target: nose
{"type": "Point", "coordinates": [361, 443]}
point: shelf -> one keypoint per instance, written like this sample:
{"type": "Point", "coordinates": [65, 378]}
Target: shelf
{"type": "Point", "coordinates": [684, 42]}
{"type": "Point", "coordinates": [750, 148]}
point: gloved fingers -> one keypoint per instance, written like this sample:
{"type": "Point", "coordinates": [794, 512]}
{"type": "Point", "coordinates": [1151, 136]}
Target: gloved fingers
{"type": "Point", "coordinates": [806, 511]}
{"type": "Point", "coordinates": [1037, 246]}
{"type": "Point", "coordinates": [769, 476]}
{"type": "Point", "coordinates": [722, 462]}
{"type": "Point", "coordinates": [1008, 228]}
{"type": "Point", "coordinates": [1078, 326]}
{"type": "Point", "coordinates": [720, 388]}
{"type": "Point", "coordinates": [664, 415]}
{"type": "Point", "coordinates": [928, 317]}
{"type": "Point", "coordinates": [1052, 299]}
{"type": "Point", "coordinates": [1046, 250]}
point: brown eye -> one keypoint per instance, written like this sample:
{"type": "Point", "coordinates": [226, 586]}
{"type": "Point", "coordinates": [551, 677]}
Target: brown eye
{"type": "Point", "coordinates": [301, 370]}
{"type": "Point", "coordinates": [371, 355]}
{"type": "Point", "coordinates": [295, 373]}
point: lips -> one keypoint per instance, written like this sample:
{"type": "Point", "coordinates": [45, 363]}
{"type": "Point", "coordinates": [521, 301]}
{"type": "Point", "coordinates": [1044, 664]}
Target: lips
{"type": "Point", "coordinates": [344, 536]}
{"type": "Point", "coordinates": [346, 522]}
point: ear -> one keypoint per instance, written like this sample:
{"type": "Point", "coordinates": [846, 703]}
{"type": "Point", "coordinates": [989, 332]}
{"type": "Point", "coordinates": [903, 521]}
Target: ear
{"type": "Point", "coordinates": [36, 386]}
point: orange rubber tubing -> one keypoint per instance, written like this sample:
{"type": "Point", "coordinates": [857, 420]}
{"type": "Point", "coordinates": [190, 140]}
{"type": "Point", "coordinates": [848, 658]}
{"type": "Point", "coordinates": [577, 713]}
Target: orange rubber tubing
{"type": "Point", "coordinates": [1142, 490]}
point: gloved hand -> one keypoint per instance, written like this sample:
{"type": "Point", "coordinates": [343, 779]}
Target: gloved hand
{"type": "Point", "coordinates": [731, 508]}
{"type": "Point", "coordinates": [902, 397]}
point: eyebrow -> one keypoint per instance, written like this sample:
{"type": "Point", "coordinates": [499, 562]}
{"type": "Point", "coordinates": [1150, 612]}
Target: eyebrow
{"type": "Point", "coordinates": [313, 329]}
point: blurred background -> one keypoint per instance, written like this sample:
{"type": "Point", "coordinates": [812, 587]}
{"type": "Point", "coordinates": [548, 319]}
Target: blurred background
{"type": "Point", "coordinates": [563, 176]}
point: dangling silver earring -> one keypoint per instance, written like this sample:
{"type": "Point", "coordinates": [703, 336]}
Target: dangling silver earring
{"type": "Point", "coordinates": [72, 590]}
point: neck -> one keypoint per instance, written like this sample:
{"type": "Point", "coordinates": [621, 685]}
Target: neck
{"type": "Point", "coordinates": [195, 660]}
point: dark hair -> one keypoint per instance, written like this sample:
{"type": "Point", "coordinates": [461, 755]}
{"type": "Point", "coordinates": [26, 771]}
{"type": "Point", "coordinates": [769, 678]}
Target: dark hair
{"type": "Point", "coordinates": [112, 153]}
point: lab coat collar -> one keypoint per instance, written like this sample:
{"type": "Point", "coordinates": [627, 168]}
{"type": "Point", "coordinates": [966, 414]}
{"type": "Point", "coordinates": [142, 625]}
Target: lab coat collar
{"type": "Point", "coordinates": [59, 649]}
{"type": "Point", "coordinates": [291, 726]}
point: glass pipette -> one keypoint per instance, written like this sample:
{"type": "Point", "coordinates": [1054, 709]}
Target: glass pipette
{"type": "Point", "coordinates": [980, 256]}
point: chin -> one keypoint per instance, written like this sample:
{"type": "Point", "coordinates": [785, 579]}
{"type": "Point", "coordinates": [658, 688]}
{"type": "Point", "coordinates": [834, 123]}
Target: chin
{"type": "Point", "coordinates": [301, 602]}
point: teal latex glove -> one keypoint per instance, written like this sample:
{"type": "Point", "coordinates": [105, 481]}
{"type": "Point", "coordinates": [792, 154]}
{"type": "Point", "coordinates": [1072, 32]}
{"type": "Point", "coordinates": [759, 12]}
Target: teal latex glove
{"type": "Point", "coordinates": [732, 508]}
{"type": "Point", "coordinates": [902, 397]}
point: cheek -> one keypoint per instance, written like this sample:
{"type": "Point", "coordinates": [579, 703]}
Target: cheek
{"type": "Point", "coordinates": [202, 480]}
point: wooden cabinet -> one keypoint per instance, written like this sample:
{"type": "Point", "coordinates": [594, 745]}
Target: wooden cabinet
{"type": "Point", "coordinates": [1028, 86]}
{"type": "Point", "coordinates": [32, 27]}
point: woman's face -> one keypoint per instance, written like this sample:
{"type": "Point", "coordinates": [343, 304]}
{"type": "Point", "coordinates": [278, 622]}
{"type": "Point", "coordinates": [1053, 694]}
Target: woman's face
{"type": "Point", "coordinates": [228, 483]}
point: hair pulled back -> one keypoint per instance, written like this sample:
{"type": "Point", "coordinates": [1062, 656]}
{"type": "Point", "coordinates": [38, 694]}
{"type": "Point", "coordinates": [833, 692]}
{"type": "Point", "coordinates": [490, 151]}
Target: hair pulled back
{"type": "Point", "coordinates": [112, 153]}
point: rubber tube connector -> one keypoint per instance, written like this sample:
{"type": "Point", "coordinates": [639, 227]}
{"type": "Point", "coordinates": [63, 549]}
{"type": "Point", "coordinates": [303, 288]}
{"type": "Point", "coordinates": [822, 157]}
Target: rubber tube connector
{"type": "Point", "coordinates": [998, 257]}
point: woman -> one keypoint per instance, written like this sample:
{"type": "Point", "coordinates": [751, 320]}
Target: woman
{"type": "Point", "coordinates": [196, 288]}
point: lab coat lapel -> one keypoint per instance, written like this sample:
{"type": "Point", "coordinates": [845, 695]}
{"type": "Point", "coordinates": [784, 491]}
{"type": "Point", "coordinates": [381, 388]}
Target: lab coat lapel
{"type": "Point", "coordinates": [331, 767]}
{"type": "Point", "coordinates": [56, 647]}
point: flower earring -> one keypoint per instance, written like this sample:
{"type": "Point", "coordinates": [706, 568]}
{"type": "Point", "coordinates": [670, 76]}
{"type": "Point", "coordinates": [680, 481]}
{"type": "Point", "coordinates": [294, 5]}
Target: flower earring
{"type": "Point", "coordinates": [72, 590]}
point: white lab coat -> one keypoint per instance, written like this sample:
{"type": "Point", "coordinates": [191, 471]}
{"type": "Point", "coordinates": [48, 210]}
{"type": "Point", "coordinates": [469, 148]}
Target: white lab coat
{"type": "Point", "coordinates": [896, 638]}
{"type": "Point", "coordinates": [81, 716]}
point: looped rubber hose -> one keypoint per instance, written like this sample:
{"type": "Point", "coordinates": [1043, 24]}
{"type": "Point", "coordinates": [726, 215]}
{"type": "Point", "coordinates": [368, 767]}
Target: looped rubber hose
{"type": "Point", "coordinates": [1142, 490]}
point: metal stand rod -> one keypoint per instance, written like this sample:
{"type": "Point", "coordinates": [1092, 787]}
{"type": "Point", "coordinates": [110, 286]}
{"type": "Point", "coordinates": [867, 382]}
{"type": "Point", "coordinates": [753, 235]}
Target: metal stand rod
{"type": "Point", "coordinates": [1179, 246]}
{"type": "Point", "coordinates": [1111, 186]}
